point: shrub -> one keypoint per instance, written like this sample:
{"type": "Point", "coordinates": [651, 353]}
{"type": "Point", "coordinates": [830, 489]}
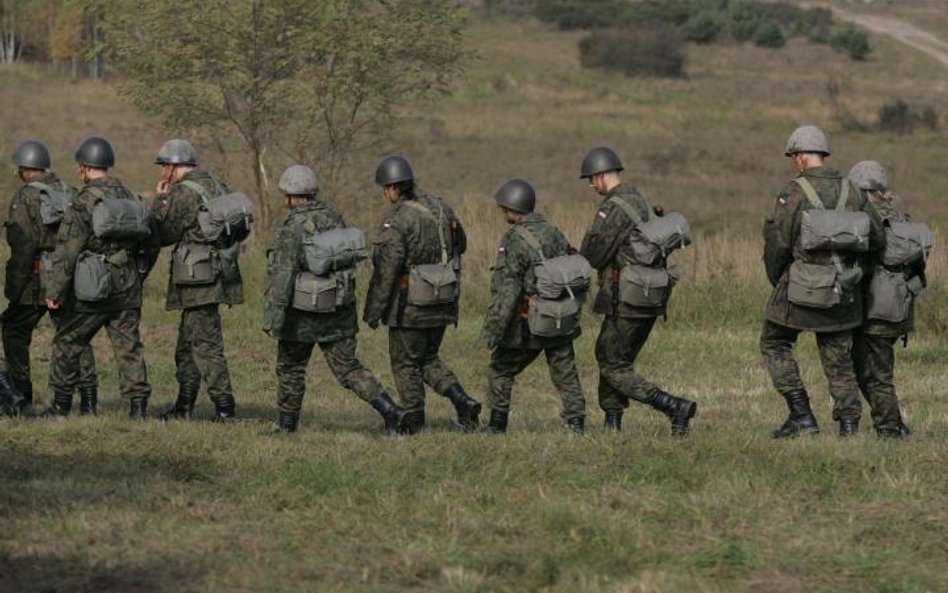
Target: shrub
{"type": "Point", "coordinates": [814, 24]}
{"type": "Point", "coordinates": [851, 41]}
{"type": "Point", "coordinates": [703, 27]}
{"type": "Point", "coordinates": [897, 116]}
{"type": "Point", "coordinates": [769, 34]}
{"type": "Point", "coordinates": [582, 14]}
{"type": "Point", "coordinates": [745, 17]}
{"type": "Point", "coordinates": [654, 51]}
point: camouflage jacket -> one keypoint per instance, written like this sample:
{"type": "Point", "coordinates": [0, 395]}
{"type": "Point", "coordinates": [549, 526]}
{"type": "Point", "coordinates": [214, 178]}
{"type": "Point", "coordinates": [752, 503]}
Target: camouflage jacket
{"type": "Point", "coordinates": [284, 262]}
{"type": "Point", "coordinates": [513, 280]}
{"type": "Point", "coordinates": [27, 237]}
{"type": "Point", "coordinates": [606, 245]}
{"type": "Point", "coordinates": [882, 211]}
{"type": "Point", "coordinates": [176, 217]}
{"type": "Point", "coordinates": [782, 247]}
{"type": "Point", "coordinates": [409, 236]}
{"type": "Point", "coordinates": [130, 260]}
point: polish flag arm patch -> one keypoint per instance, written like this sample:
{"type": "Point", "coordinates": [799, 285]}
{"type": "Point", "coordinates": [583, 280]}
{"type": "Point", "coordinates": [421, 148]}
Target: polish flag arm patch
{"type": "Point", "coordinates": [601, 215]}
{"type": "Point", "coordinates": [501, 250]}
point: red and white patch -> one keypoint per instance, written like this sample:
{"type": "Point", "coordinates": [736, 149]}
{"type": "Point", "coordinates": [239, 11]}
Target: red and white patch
{"type": "Point", "coordinates": [781, 201]}
{"type": "Point", "coordinates": [501, 250]}
{"type": "Point", "coordinates": [386, 225]}
{"type": "Point", "coordinates": [601, 215]}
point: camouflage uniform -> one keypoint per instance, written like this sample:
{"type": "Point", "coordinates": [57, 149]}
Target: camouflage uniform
{"type": "Point", "coordinates": [199, 353]}
{"type": "Point", "coordinates": [28, 237]}
{"type": "Point", "coordinates": [506, 331]}
{"type": "Point", "coordinates": [785, 320]}
{"type": "Point", "coordinates": [873, 343]}
{"type": "Point", "coordinates": [409, 236]}
{"type": "Point", "coordinates": [129, 261]}
{"type": "Point", "coordinates": [299, 331]}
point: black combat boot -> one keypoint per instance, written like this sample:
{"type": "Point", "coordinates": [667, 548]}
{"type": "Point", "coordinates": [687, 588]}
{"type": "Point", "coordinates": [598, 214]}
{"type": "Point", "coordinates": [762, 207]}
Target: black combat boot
{"type": "Point", "coordinates": [183, 408]}
{"type": "Point", "coordinates": [613, 420]}
{"type": "Point", "coordinates": [287, 421]}
{"type": "Point", "coordinates": [225, 408]}
{"type": "Point", "coordinates": [848, 428]}
{"type": "Point", "coordinates": [395, 417]}
{"type": "Point", "coordinates": [138, 409]}
{"type": "Point", "coordinates": [11, 398]}
{"type": "Point", "coordinates": [62, 404]}
{"type": "Point", "coordinates": [498, 422]}
{"type": "Point", "coordinates": [468, 409]}
{"type": "Point", "coordinates": [23, 405]}
{"type": "Point", "coordinates": [678, 409]}
{"type": "Point", "coordinates": [801, 418]}
{"type": "Point", "coordinates": [414, 422]}
{"type": "Point", "coordinates": [576, 425]}
{"type": "Point", "coordinates": [88, 401]}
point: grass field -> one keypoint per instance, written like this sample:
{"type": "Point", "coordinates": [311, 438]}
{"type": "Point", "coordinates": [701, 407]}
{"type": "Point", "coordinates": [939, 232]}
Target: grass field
{"type": "Point", "coordinates": [101, 505]}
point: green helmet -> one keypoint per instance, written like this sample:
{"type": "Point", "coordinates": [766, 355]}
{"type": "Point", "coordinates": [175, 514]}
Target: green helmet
{"type": "Point", "coordinates": [599, 160]}
{"type": "Point", "coordinates": [517, 195]}
{"type": "Point", "coordinates": [869, 175]}
{"type": "Point", "coordinates": [299, 180]}
{"type": "Point", "coordinates": [394, 169]}
{"type": "Point", "coordinates": [95, 152]}
{"type": "Point", "coordinates": [807, 139]}
{"type": "Point", "coordinates": [31, 155]}
{"type": "Point", "coordinates": [177, 152]}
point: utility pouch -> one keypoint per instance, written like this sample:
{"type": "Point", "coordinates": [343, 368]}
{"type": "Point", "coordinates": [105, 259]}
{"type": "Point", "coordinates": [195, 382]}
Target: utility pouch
{"type": "Point", "coordinates": [315, 294]}
{"type": "Point", "coordinates": [642, 286]}
{"type": "Point", "coordinates": [906, 243]}
{"type": "Point", "coordinates": [551, 318]}
{"type": "Point", "coordinates": [830, 230]}
{"type": "Point", "coordinates": [92, 280]}
{"type": "Point", "coordinates": [432, 284]}
{"type": "Point", "coordinates": [194, 264]}
{"type": "Point", "coordinates": [229, 261]}
{"type": "Point", "coordinates": [889, 297]}
{"type": "Point", "coordinates": [124, 271]}
{"type": "Point", "coordinates": [813, 285]}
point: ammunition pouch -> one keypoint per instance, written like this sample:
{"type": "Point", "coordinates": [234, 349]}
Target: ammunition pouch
{"type": "Point", "coordinates": [643, 286]}
{"type": "Point", "coordinates": [92, 279]}
{"type": "Point", "coordinates": [323, 294]}
{"type": "Point", "coordinates": [195, 264]}
{"type": "Point", "coordinates": [551, 318]}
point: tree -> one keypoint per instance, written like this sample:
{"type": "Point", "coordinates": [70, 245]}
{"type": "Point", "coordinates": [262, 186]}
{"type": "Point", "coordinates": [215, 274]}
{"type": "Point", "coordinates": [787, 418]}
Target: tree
{"type": "Point", "coordinates": [308, 78]}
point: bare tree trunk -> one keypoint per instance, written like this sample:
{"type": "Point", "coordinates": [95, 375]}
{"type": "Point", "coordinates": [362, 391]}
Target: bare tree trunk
{"type": "Point", "coordinates": [261, 182]}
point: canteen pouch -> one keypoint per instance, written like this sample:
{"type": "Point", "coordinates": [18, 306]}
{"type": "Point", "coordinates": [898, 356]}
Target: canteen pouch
{"type": "Point", "coordinates": [92, 280]}
{"type": "Point", "coordinates": [120, 218]}
{"type": "Point", "coordinates": [813, 285]}
{"type": "Point", "coordinates": [226, 218]}
{"type": "Point", "coordinates": [831, 230]}
{"type": "Point", "coordinates": [336, 249]}
{"type": "Point", "coordinates": [230, 265]}
{"type": "Point", "coordinates": [551, 318]}
{"type": "Point", "coordinates": [563, 275]}
{"type": "Point", "coordinates": [906, 243]}
{"type": "Point", "coordinates": [194, 264]}
{"type": "Point", "coordinates": [642, 286]}
{"type": "Point", "coordinates": [315, 294]}
{"type": "Point", "coordinates": [889, 297]}
{"type": "Point", "coordinates": [432, 284]}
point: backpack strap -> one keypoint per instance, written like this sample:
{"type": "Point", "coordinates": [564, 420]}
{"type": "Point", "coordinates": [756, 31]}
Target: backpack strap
{"type": "Point", "coordinates": [439, 219]}
{"type": "Point", "coordinates": [814, 199]}
{"type": "Point", "coordinates": [193, 185]}
{"type": "Point", "coordinates": [811, 196]}
{"type": "Point", "coordinates": [843, 195]}
{"type": "Point", "coordinates": [628, 208]}
{"type": "Point", "coordinates": [531, 239]}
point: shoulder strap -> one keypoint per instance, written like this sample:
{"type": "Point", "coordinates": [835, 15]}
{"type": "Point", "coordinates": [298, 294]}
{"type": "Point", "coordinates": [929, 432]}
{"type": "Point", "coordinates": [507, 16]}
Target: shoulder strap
{"type": "Point", "coordinates": [439, 219]}
{"type": "Point", "coordinates": [40, 186]}
{"type": "Point", "coordinates": [812, 197]}
{"type": "Point", "coordinates": [531, 239]}
{"type": "Point", "coordinates": [626, 207]}
{"type": "Point", "coordinates": [843, 195]}
{"type": "Point", "coordinates": [197, 187]}
{"type": "Point", "coordinates": [96, 191]}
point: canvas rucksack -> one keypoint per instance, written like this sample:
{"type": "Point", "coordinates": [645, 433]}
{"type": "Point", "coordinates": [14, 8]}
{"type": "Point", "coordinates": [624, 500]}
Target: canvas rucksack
{"type": "Point", "coordinates": [656, 237]}
{"type": "Point", "coordinates": [119, 218]}
{"type": "Point", "coordinates": [53, 202]}
{"type": "Point", "coordinates": [832, 230]}
{"type": "Point", "coordinates": [432, 284]}
{"type": "Point", "coordinates": [906, 243]}
{"type": "Point", "coordinates": [336, 249]}
{"type": "Point", "coordinates": [225, 218]}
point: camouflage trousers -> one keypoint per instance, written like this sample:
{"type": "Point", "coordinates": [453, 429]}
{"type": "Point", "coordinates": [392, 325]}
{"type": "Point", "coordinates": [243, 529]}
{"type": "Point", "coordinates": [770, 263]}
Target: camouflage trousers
{"type": "Point", "coordinates": [19, 322]}
{"type": "Point", "coordinates": [199, 353]}
{"type": "Point", "coordinates": [73, 335]}
{"type": "Point", "coordinates": [293, 358]}
{"type": "Point", "coordinates": [413, 353]}
{"type": "Point", "coordinates": [874, 360]}
{"type": "Point", "coordinates": [620, 341]}
{"type": "Point", "coordinates": [835, 348]}
{"type": "Point", "coordinates": [507, 363]}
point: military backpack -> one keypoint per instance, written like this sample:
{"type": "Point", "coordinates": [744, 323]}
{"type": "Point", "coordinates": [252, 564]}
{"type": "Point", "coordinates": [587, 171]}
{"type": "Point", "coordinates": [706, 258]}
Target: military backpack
{"type": "Point", "coordinates": [328, 282]}
{"type": "Point", "coordinates": [224, 218]}
{"type": "Point", "coordinates": [53, 201]}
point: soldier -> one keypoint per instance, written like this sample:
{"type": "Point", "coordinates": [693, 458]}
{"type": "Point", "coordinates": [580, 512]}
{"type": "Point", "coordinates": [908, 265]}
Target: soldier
{"type": "Point", "coordinates": [420, 234]}
{"type": "Point", "coordinates": [506, 330]}
{"type": "Point", "coordinates": [30, 235]}
{"type": "Point", "coordinates": [873, 352]}
{"type": "Point", "coordinates": [786, 315]}
{"type": "Point", "coordinates": [199, 353]}
{"type": "Point", "coordinates": [625, 327]}
{"type": "Point", "coordinates": [108, 291]}
{"type": "Point", "coordinates": [298, 330]}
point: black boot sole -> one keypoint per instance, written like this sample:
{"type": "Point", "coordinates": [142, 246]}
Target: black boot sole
{"type": "Point", "coordinates": [469, 421]}
{"type": "Point", "coordinates": [680, 426]}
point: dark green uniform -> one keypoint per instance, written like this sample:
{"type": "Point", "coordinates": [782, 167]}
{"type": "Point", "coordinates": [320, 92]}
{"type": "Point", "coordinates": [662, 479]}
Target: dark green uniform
{"type": "Point", "coordinates": [785, 320]}
{"type": "Point", "coordinates": [129, 260]}
{"type": "Point", "coordinates": [408, 236]}
{"type": "Point", "coordinates": [506, 331]}
{"type": "Point", "coordinates": [28, 237]}
{"type": "Point", "coordinates": [873, 343]}
{"type": "Point", "coordinates": [199, 354]}
{"type": "Point", "coordinates": [299, 331]}
{"type": "Point", "coordinates": [625, 328]}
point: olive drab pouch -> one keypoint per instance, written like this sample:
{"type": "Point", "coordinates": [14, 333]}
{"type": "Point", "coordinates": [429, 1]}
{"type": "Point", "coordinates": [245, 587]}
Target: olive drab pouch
{"type": "Point", "coordinates": [92, 279]}
{"type": "Point", "coordinates": [53, 202]}
{"type": "Point", "coordinates": [551, 318]}
{"type": "Point", "coordinates": [561, 276]}
{"type": "Point", "coordinates": [195, 264]}
{"type": "Point", "coordinates": [123, 269]}
{"type": "Point", "coordinates": [323, 294]}
{"type": "Point", "coordinates": [436, 283]}
{"type": "Point", "coordinates": [120, 218]}
{"type": "Point", "coordinates": [813, 285]}
{"type": "Point", "coordinates": [224, 218]}
{"type": "Point", "coordinates": [644, 286]}
{"type": "Point", "coordinates": [832, 230]}
{"type": "Point", "coordinates": [906, 243]}
{"type": "Point", "coordinates": [230, 265]}
{"type": "Point", "coordinates": [336, 249]}
{"type": "Point", "coordinates": [889, 297]}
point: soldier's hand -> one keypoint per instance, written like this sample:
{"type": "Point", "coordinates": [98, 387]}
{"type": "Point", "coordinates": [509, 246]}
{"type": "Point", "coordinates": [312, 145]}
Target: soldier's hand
{"type": "Point", "coordinates": [162, 187]}
{"type": "Point", "coordinates": [52, 304]}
